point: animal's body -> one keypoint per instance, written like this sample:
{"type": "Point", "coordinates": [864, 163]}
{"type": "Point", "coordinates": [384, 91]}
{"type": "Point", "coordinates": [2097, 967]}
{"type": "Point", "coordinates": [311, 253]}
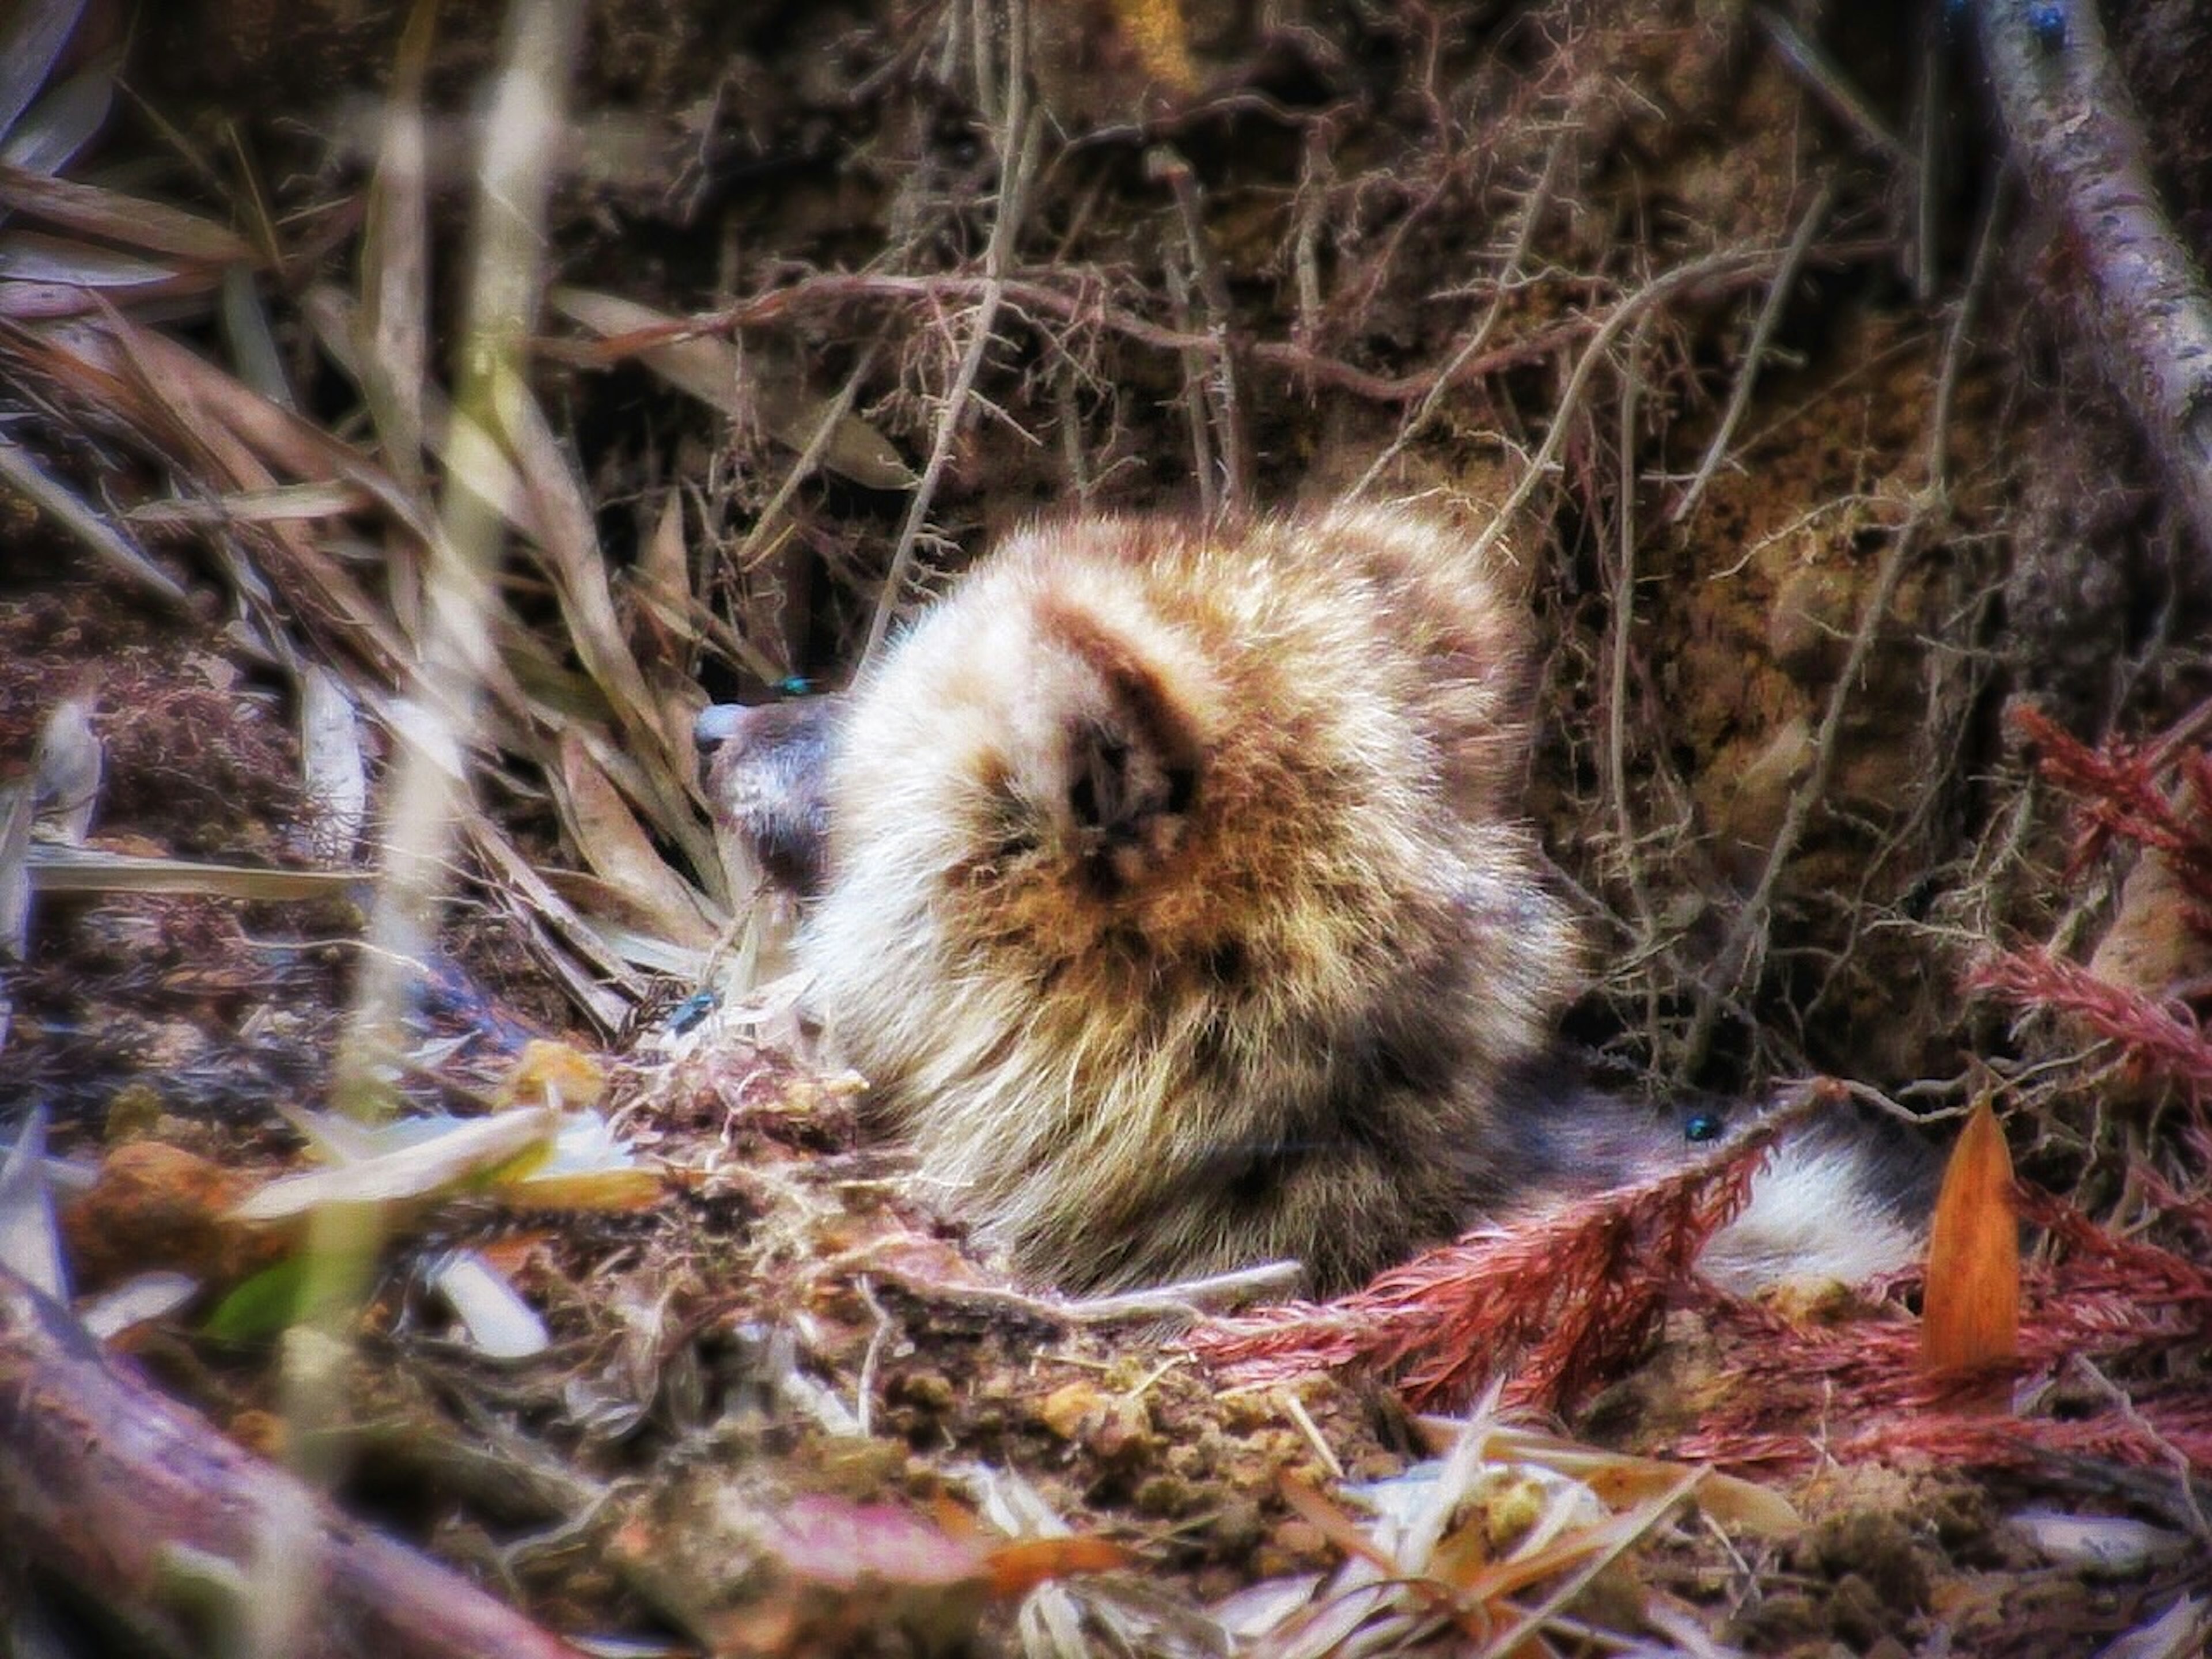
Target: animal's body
{"type": "Point", "coordinates": [1173, 893]}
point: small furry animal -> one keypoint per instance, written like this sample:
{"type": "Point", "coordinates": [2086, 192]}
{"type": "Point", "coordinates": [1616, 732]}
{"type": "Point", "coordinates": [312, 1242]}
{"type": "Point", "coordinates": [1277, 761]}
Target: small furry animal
{"type": "Point", "coordinates": [1170, 887]}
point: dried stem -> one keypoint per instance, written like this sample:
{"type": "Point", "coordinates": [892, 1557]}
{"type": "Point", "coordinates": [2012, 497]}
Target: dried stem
{"type": "Point", "coordinates": [1023, 132]}
{"type": "Point", "coordinates": [1762, 336]}
{"type": "Point", "coordinates": [1531, 213]}
{"type": "Point", "coordinates": [2074, 127]}
{"type": "Point", "coordinates": [1734, 263]}
{"type": "Point", "coordinates": [1746, 937]}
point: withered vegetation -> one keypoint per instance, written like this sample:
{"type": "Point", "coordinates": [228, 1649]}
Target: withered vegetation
{"type": "Point", "coordinates": [409, 415]}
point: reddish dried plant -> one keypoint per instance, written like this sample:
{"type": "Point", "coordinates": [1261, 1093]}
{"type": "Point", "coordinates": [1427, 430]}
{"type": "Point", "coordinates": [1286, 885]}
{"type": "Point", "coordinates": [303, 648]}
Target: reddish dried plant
{"type": "Point", "coordinates": [2121, 793]}
{"type": "Point", "coordinates": [1791, 1392]}
{"type": "Point", "coordinates": [2118, 795]}
{"type": "Point", "coordinates": [1557, 1303]}
{"type": "Point", "coordinates": [2159, 1038]}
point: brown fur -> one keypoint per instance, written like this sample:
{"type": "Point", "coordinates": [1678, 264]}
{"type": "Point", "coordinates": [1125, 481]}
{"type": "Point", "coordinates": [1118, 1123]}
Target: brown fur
{"type": "Point", "coordinates": [1178, 910]}
{"type": "Point", "coordinates": [1174, 896]}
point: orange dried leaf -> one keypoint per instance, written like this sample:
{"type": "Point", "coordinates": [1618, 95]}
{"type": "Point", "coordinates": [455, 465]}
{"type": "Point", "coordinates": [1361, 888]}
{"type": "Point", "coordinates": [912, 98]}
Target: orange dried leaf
{"type": "Point", "coordinates": [1016, 1569]}
{"type": "Point", "coordinates": [1972, 1309]}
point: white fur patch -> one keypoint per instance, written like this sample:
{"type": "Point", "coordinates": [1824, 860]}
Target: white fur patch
{"type": "Point", "coordinates": [1812, 1215]}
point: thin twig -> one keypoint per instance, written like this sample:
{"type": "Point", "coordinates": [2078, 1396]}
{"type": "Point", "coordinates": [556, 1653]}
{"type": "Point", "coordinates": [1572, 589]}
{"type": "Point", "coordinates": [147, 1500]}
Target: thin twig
{"type": "Point", "coordinates": [1829, 86]}
{"type": "Point", "coordinates": [1762, 336]}
{"type": "Point", "coordinates": [1531, 212]}
{"type": "Point", "coordinates": [1748, 932]}
{"type": "Point", "coordinates": [1732, 263]}
{"type": "Point", "coordinates": [1194, 399]}
{"type": "Point", "coordinates": [1025, 130]}
{"type": "Point", "coordinates": [1084, 307]}
{"type": "Point", "coordinates": [1624, 615]}
{"type": "Point", "coordinates": [1221, 384]}
{"type": "Point", "coordinates": [818, 445]}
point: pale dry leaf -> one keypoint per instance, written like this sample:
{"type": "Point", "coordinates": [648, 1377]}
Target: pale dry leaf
{"type": "Point", "coordinates": [1619, 1478]}
{"type": "Point", "coordinates": [469, 1149]}
{"type": "Point", "coordinates": [602, 984]}
{"type": "Point", "coordinates": [30, 1242]}
{"type": "Point", "coordinates": [23, 470]}
{"type": "Point", "coordinates": [612, 843]}
{"type": "Point", "coordinates": [2182, 1632]}
{"type": "Point", "coordinates": [336, 319]}
{"type": "Point", "coordinates": [66, 772]}
{"type": "Point", "coordinates": [500, 1324]}
{"type": "Point", "coordinates": [60, 869]}
{"type": "Point", "coordinates": [16, 812]}
{"type": "Point", "coordinates": [132, 221]}
{"type": "Point", "coordinates": [251, 339]}
{"type": "Point", "coordinates": [2116, 1544]}
{"type": "Point", "coordinates": [64, 118]}
{"type": "Point", "coordinates": [333, 771]}
{"type": "Point", "coordinates": [307, 501]}
{"type": "Point", "coordinates": [664, 626]}
{"type": "Point", "coordinates": [569, 545]}
{"type": "Point", "coordinates": [394, 330]}
{"type": "Point", "coordinates": [136, 1301]}
{"type": "Point", "coordinates": [625, 933]}
{"type": "Point", "coordinates": [36, 255]}
{"type": "Point", "coordinates": [32, 36]}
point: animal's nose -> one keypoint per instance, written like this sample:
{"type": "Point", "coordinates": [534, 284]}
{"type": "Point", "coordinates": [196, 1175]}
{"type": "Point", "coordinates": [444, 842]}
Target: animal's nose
{"type": "Point", "coordinates": [717, 724]}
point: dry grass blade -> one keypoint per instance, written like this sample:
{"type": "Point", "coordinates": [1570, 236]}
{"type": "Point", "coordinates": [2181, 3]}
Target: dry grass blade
{"type": "Point", "coordinates": [21, 469]}
{"type": "Point", "coordinates": [745, 387]}
{"type": "Point", "coordinates": [1619, 1478]}
{"type": "Point", "coordinates": [204, 413]}
{"type": "Point", "coordinates": [32, 258]}
{"type": "Point", "coordinates": [395, 265]}
{"type": "Point", "coordinates": [68, 765]}
{"type": "Point", "coordinates": [15, 884]}
{"type": "Point", "coordinates": [251, 339]}
{"type": "Point", "coordinates": [215, 402]}
{"type": "Point", "coordinates": [612, 842]}
{"type": "Point", "coordinates": [532, 899]}
{"type": "Point", "coordinates": [336, 319]}
{"type": "Point", "coordinates": [277, 504]}
{"type": "Point", "coordinates": [93, 870]}
{"type": "Point", "coordinates": [427, 793]}
{"type": "Point", "coordinates": [333, 772]}
{"type": "Point", "coordinates": [32, 36]}
{"type": "Point", "coordinates": [63, 119]}
{"type": "Point", "coordinates": [470, 1149]}
{"type": "Point", "coordinates": [132, 221]}
{"type": "Point", "coordinates": [569, 551]}
{"type": "Point", "coordinates": [30, 1244]}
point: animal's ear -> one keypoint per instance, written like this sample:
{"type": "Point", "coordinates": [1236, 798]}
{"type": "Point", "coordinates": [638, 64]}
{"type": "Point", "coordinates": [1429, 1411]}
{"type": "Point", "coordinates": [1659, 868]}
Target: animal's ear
{"type": "Point", "coordinates": [1117, 777]}
{"type": "Point", "coordinates": [1130, 733]}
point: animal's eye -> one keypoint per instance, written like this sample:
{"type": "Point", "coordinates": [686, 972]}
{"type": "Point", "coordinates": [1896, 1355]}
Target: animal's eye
{"type": "Point", "coordinates": [1701, 1127]}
